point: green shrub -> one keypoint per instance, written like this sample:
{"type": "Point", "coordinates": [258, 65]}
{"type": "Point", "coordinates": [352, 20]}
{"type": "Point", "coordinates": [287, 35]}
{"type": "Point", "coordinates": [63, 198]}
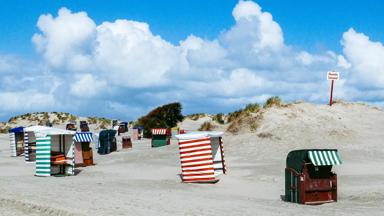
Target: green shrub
{"type": "Point", "coordinates": [234, 127]}
{"type": "Point", "coordinates": [166, 116]}
{"type": "Point", "coordinates": [45, 115]}
{"type": "Point", "coordinates": [104, 125]}
{"type": "Point", "coordinates": [206, 126]}
{"type": "Point", "coordinates": [273, 101]}
{"type": "Point", "coordinates": [104, 121]}
{"type": "Point", "coordinates": [12, 120]}
{"type": "Point", "coordinates": [196, 116]}
{"type": "Point", "coordinates": [235, 115]}
{"type": "Point", "coordinates": [5, 129]}
{"type": "Point", "coordinates": [72, 118]}
{"type": "Point", "coordinates": [55, 122]}
{"type": "Point", "coordinates": [265, 135]}
{"type": "Point", "coordinates": [92, 120]}
{"type": "Point", "coordinates": [219, 118]}
{"type": "Point", "coordinates": [252, 107]}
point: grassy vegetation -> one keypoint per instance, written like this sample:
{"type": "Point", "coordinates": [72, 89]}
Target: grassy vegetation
{"type": "Point", "coordinates": [250, 122]}
{"type": "Point", "coordinates": [166, 116]}
{"type": "Point", "coordinates": [219, 118]}
{"type": "Point", "coordinates": [195, 116]}
{"type": "Point", "coordinates": [206, 126]}
{"type": "Point", "coordinates": [72, 118]}
{"type": "Point", "coordinates": [62, 117]}
{"type": "Point", "coordinates": [234, 127]}
{"type": "Point", "coordinates": [56, 118]}
{"type": "Point", "coordinates": [45, 115]}
{"type": "Point", "coordinates": [252, 108]}
{"type": "Point", "coordinates": [104, 125]}
{"type": "Point", "coordinates": [243, 118]}
{"type": "Point", "coordinates": [248, 109]}
{"type": "Point", "coordinates": [92, 120]}
{"type": "Point", "coordinates": [5, 129]}
{"type": "Point", "coordinates": [273, 101]}
{"type": "Point", "coordinates": [265, 135]}
{"type": "Point", "coordinates": [105, 121]}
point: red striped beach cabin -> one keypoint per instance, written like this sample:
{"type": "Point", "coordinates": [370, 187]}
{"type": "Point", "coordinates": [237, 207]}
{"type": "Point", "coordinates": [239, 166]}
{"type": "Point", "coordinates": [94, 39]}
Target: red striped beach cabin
{"type": "Point", "coordinates": [201, 156]}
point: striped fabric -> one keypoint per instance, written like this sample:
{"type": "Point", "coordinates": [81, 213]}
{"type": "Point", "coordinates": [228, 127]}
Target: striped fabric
{"type": "Point", "coordinates": [159, 131]}
{"type": "Point", "coordinates": [324, 157]}
{"type": "Point", "coordinates": [196, 160]}
{"type": "Point", "coordinates": [43, 156]}
{"type": "Point", "coordinates": [26, 148]}
{"type": "Point", "coordinates": [83, 137]}
{"type": "Point", "coordinates": [12, 141]}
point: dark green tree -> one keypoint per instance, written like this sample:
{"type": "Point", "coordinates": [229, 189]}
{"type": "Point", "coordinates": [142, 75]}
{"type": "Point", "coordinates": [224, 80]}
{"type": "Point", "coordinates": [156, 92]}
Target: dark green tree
{"type": "Point", "coordinates": [165, 116]}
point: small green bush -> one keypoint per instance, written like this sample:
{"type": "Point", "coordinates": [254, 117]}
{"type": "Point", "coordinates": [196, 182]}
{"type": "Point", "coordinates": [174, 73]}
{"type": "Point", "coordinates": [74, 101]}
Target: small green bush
{"type": "Point", "coordinates": [219, 118]}
{"type": "Point", "coordinates": [166, 116]}
{"type": "Point", "coordinates": [104, 125]}
{"type": "Point", "coordinates": [252, 107]}
{"type": "Point", "coordinates": [196, 116]}
{"type": "Point", "coordinates": [72, 118]}
{"type": "Point", "coordinates": [206, 126]}
{"type": "Point", "coordinates": [55, 122]}
{"type": "Point", "coordinates": [5, 129]}
{"type": "Point", "coordinates": [235, 115]}
{"type": "Point", "coordinates": [45, 115]}
{"type": "Point", "coordinates": [92, 120]}
{"type": "Point", "coordinates": [273, 101]}
{"type": "Point", "coordinates": [12, 120]}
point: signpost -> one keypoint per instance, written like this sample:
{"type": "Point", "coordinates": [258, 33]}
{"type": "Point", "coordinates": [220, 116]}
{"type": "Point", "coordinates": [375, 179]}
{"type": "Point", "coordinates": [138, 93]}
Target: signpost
{"type": "Point", "coordinates": [332, 75]}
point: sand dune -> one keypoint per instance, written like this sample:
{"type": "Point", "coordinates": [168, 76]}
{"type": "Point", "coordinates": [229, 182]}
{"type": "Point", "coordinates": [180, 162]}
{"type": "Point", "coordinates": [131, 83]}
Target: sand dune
{"type": "Point", "coordinates": [145, 181]}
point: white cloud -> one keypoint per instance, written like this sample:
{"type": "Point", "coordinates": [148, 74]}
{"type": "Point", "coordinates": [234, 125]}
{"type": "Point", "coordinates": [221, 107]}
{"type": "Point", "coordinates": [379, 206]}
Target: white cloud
{"type": "Point", "coordinates": [65, 40]}
{"type": "Point", "coordinates": [342, 62]}
{"type": "Point", "coordinates": [26, 101]}
{"type": "Point", "coordinates": [255, 27]}
{"type": "Point", "coordinates": [366, 59]}
{"type": "Point", "coordinates": [128, 54]}
{"type": "Point", "coordinates": [86, 85]}
{"type": "Point", "coordinates": [199, 52]}
{"type": "Point", "coordinates": [241, 81]}
{"type": "Point", "coordinates": [247, 63]}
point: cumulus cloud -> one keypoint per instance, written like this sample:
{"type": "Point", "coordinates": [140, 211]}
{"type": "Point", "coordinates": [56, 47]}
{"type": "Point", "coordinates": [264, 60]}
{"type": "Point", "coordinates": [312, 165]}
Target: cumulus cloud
{"type": "Point", "coordinates": [128, 54]}
{"type": "Point", "coordinates": [86, 85]}
{"type": "Point", "coordinates": [366, 59]}
{"type": "Point", "coordinates": [66, 39]}
{"type": "Point", "coordinates": [263, 32]}
{"type": "Point", "coordinates": [26, 101]}
{"type": "Point", "coordinates": [121, 67]}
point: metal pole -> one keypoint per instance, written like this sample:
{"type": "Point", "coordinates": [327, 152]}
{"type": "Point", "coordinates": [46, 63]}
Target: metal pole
{"type": "Point", "coordinates": [330, 100]}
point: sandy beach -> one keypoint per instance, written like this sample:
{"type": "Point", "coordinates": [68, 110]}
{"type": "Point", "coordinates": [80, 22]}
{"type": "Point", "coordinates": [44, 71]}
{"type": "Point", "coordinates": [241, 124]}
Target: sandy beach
{"type": "Point", "coordinates": [145, 180]}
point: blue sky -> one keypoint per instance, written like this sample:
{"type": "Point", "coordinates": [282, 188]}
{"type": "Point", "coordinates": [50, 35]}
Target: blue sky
{"type": "Point", "coordinates": [307, 39]}
{"type": "Point", "coordinates": [306, 24]}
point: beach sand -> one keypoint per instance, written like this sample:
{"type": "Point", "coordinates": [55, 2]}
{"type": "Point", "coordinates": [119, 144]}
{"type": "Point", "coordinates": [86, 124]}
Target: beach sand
{"type": "Point", "coordinates": [145, 180]}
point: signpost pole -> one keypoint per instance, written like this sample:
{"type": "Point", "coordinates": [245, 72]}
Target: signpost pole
{"type": "Point", "coordinates": [330, 99]}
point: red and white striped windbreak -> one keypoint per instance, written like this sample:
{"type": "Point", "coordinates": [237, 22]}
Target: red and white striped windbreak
{"type": "Point", "coordinates": [159, 131]}
{"type": "Point", "coordinates": [201, 156]}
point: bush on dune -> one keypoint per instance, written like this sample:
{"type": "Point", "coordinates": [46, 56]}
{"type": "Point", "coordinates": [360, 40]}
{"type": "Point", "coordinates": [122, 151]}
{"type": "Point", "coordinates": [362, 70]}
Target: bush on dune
{"type": "Point", "coordinates": [273, 101]}
{"type": "Point", "coordinates": [195, 116]}
{"type": "Point", "coordinates": [206, 126]}
{"type": "Point", "coordinates": [166, 116]}
{"type": "Point", "coordinates": [219, 118]}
